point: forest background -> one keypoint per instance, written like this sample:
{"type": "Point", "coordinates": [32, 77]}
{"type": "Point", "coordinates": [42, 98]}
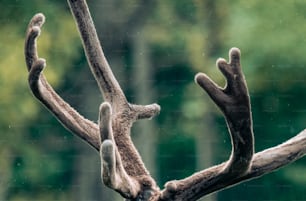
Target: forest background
{"type": "Point", "coordinates": [155, 48]}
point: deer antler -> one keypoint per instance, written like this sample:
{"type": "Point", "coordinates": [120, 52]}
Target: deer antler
{"type": "Point", "coordinates": [41, 89]}
{"type": "Point", "coordinates": [234, 102]}
{"type": "Point", "coordinates": [124, 170]}
{"type": "Point", "coordinates": [122, 167]}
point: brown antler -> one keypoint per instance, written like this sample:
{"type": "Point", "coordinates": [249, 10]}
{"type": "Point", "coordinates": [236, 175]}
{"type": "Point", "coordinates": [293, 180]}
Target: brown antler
{"type": "Point", "coordinates": [70, 118]}
{"type": "Point", "coordinates": [120, 158]}
{"type": "Point", "coordinates": [234, 102]}
{"type": "Point", "coordinates": [122, 167]}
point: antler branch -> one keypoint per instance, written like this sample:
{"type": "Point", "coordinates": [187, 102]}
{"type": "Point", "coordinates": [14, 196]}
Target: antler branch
{"type": "Point", "coordinates": [113, 172]}
{"type": "Point", "coordinates": [123, 113]}
{"type": "Point", "coordinates": [120, 159]}
{"type": "Point", "coordinates": [209, 180]}
{"type": "Point", "coordinates": [122, 168]}
{"type": "Point", "coordinates": [99, 66]}
{"type": "Point", "coordinates": [234, 102]}
{"type": "Point", "coordinates": [41, 89]}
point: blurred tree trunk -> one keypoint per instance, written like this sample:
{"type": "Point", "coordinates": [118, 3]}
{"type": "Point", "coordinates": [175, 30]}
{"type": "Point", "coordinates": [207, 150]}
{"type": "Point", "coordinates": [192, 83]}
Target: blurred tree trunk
{"type": "Point", "coordinates": [144, 132]}
{"type": "Point", "coordinates": [206, 147]}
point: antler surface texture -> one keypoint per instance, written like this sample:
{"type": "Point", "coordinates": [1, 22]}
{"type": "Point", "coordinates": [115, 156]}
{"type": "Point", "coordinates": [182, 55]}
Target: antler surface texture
{"type": "Point", "coordinates": [122, 168]}
{"type": "Point", "coordinates": [233, 100]}
{"type": "Point", "coordinates": [134, 178]}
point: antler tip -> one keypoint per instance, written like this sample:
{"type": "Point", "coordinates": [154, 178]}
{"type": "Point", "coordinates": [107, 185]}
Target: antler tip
{"type": "Point", "coordinates": [105, 108]}
{"type": "Point", "coordinates": [171, 186]}
{"type": "Point", "coordinates": [157, 107]}
{"type": "Point", "coordinates": [197, 77]}
{"type": "Point", "coordinates": [234, 50]}
{"type": "Point", "coordinates": [234, 55]}
{"type": "Point", "coordinates": [105, 112]}
{"type": "Point", "coordinates": [202, 79]}
{"type": "Point", "coordinates": [221, 62]}
{"type": "Point", "coordinates": [38, 19]}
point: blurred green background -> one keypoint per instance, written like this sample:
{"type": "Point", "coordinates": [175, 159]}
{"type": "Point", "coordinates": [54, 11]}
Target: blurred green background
{"type": "Point", "coordinates": [155, 48]}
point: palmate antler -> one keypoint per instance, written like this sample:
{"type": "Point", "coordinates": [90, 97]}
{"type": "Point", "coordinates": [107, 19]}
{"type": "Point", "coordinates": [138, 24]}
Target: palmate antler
{"type": "Point", "coordinates": [122, 167]}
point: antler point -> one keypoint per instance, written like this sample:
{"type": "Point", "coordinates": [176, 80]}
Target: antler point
{"type": "Point", "coordinates": [234, 55]}
{"type": "Point", "coordinates": [221, 62]}
{"type": "Point", "coordinates": [38, 19]}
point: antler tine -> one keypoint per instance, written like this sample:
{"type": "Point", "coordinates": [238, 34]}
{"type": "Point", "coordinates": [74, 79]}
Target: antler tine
{"type": "Point", "coordinates": [208, 181]}
{"type": "Point", "coordinates": [122, 167]}
{"type": "Point", "coordinates": [69, 117]}
{"type": "Point", "coordinates": [33, 32]}
{"type": "Point", "coordinates": [234, 102]}
{"type": "Point", "coordinates": [113, 172]}
{"type": "Point", "coordinates": [99, 66]}
{"type": "Point", "coordinates": [127, 164]}
{"type": "Point", "coordinates": [123, 113]}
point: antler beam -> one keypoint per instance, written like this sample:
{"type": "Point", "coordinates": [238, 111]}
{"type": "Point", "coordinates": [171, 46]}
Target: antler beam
{"type": "Point", "coordinates": [209, 180]}
{"type": "Point", "coordinates": [119, 156]}
{"type": "Point", "coordinates": [42, 90]}
{"type": "Point", "coordinates": [233, 100]}
{"type": "Point", "coordinates": [123, 113]}
{"type": "Point", "coordinates": [121, 166]}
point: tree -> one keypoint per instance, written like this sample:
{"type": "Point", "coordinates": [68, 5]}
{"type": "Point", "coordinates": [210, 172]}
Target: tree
{"type": "Point", "coordinates": [122, 167]}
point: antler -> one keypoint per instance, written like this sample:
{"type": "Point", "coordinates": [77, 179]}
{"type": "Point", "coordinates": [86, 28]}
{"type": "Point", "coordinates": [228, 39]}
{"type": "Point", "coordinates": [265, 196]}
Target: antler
{"type": "Point", "coordinates": [234, 102]}
{"type": "Point", "coordinates": [41, 89]}
{"type": "Point", "coordinates": [123, 169]}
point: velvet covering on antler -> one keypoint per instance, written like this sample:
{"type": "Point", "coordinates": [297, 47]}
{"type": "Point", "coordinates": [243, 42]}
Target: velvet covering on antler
{"type": "Point", "coordinates": [122, 168]}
